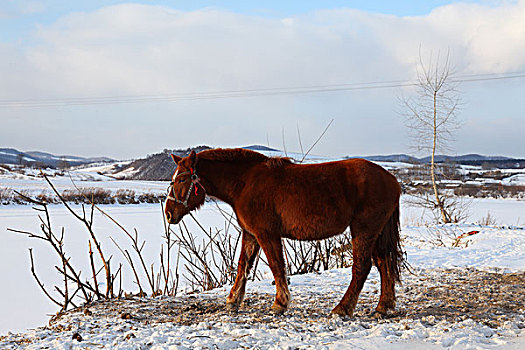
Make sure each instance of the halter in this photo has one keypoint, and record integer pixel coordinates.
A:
(194, 181)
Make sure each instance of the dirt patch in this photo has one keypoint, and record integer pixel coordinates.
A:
(489, 298)
(430, 296)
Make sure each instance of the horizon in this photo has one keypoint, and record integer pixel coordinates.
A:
(124, 79)
(313, 153)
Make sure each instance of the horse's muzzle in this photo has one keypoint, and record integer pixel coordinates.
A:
(172, 220)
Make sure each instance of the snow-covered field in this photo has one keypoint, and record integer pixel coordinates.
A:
(493, 258)
(31, 182)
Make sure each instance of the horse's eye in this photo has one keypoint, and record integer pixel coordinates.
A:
(182, 180)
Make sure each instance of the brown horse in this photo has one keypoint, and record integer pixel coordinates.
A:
(275, 198)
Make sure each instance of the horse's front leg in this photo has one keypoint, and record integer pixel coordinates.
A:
(249, 250)
(273, 249)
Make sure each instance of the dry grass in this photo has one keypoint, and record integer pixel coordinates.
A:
(488, 298)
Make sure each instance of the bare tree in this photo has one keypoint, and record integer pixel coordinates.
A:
(431, 116)
(63, 164)
(20, 158)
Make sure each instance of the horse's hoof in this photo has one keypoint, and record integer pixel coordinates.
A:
(378, 315)
(232, 307)
(383, 311)
(341, 311)
(278, 309)
(380, 312)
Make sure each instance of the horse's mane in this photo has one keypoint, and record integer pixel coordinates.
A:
(243, 155)
(278, 162)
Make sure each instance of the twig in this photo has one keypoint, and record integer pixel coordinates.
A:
(284, 143)
(300, 142)
(88, 225)
(40, 284)
(316, 141)
(97, 292)
(126, 255)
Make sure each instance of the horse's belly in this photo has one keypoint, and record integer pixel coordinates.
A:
(319, 228)
(311, 221)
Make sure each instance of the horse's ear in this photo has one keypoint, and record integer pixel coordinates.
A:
(175, 158)
(193, 159)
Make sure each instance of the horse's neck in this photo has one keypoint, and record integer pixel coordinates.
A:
(222, 180)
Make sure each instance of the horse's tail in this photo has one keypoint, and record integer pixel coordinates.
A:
(388, 247)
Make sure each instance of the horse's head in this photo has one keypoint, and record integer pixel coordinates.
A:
(185, 192)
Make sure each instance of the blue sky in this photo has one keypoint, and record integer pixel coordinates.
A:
(65, 50)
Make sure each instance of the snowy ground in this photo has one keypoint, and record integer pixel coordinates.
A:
(31, 183)
(466, 297)
(434, 311)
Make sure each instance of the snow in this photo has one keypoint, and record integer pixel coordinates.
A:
(395, 165)
(492, 249)
(31, 182)
(101, 168)
(516, 180)
(234, 331)
(24, 310)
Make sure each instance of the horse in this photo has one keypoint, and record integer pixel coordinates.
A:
(274, 198)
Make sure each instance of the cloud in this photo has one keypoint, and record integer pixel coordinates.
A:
(135, 49)
(152, 49)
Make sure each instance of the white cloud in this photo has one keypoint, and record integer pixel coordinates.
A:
(140, 49)
(150, 49)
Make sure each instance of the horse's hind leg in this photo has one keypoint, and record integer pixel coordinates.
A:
(249, 250)
(361, 244)
(388, 258)
(387, 300)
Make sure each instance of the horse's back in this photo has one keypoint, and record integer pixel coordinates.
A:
(358, 174)
(316, 201)
(372, 179)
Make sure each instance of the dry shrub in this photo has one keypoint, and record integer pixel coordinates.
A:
(19, 197)
(82, 196)
(106, 273)
(488, 220)
(210, 262)
(151, 197)
(491, 191)
(46, 198)
(125, 196)
(306, 257)
(86, 195)
(6, 195)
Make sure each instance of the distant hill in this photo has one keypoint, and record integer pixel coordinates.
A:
(13, 156)
(392, 158)
(261, 148)
(467, 159)
(160, 166)
(155, 167)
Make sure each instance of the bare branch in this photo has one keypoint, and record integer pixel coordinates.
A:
(40, 284)
(316, 141)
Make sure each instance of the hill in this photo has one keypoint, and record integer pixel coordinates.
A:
(155, 167)
(43, 159)
(467, 159)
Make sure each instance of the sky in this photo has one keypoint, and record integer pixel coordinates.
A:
(125, 79)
